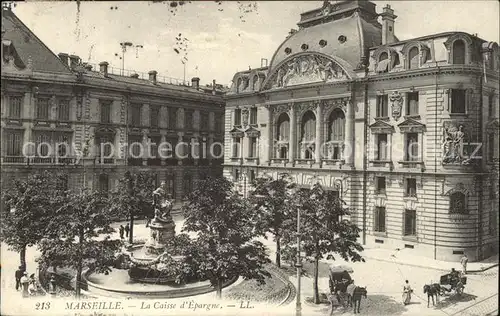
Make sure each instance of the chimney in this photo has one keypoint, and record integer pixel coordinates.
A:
(388, 18)
(87, 66)
(103, 68)
(195, 82)
(152, 76)
(73, 61)
(64, 58)
(213, 87)
(135, 76)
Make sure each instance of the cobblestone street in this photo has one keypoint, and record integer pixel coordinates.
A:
(384, 282)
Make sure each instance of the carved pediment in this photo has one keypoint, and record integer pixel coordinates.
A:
(381, 127)
(105, 130)
(252, 132)
(493, 126)
(411, 126)
(305, 68)
(236, 132)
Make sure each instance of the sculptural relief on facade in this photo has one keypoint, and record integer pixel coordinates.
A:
(329, 105)
(396, 104)
(307, 69)
(453, 144)
(244, 116)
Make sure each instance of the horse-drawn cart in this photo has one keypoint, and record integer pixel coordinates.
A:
(452, 282)
(338, 282)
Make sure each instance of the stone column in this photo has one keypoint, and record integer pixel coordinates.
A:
(291, 139)
(269, 150)
(182, 149)
(349, 134)
(145, 115)
(319, 141)
(160, 154)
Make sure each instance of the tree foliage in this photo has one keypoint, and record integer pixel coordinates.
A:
(224, 247)
(324, 233)
(133, 196)
(80, 222)
(270, 207)
(30, 204)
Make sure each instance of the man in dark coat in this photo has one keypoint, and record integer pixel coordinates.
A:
(127, 230)
(19, 275)
(122, 230)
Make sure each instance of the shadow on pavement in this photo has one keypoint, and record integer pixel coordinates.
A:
(453, 299)
(373, 305)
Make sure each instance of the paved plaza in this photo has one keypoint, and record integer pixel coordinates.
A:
(384, 282)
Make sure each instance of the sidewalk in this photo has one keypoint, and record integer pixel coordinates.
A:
(404, 257)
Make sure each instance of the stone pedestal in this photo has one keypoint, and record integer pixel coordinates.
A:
(161, 230)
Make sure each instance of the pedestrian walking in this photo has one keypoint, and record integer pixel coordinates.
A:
(463, 262)
(25, 284)
(407, 290)
(127, 230)
(122, 230)
(19, 275)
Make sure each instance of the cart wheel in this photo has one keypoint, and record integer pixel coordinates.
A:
(460, 290)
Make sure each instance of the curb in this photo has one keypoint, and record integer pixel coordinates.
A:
(427, 267)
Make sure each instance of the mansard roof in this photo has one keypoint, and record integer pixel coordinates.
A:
(28, 46)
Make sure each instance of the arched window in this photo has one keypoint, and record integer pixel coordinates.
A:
(308, 135)
(283, 127)
(308, 127)
(336, 125)
(103, 183)
(238, 84)
(383, 56)
(413, 58)
(255, 82)
(458, 203)
(458, 52)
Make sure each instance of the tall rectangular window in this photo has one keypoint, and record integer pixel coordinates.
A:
(491, 105)
(458, 101)
(63, 110)
(383, 105)
(188, 119)
(237, 117)
(172, 118)
(382, 147)
(43, 143)
(188, 184)
(204, 118)
(412, 147)
(13, 143)
(236, 147)
(154, 115)
(491, 147)
(103, 183)
(380, 185)
(105, 111)
(411, 187)
(135, 115)
(412, 103)
(380, 219)
(252, 147)
(253, 115)
(410, 223)
(42, 108)
(171, 185)
(63, 142)
(15, 105)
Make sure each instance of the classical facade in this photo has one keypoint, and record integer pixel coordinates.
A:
(57, 111)
(406, 131)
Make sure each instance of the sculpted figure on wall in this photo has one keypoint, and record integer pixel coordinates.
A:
(397, 104)
(453, 145)
(306, 69)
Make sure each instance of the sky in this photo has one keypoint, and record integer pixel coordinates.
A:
(217, 40)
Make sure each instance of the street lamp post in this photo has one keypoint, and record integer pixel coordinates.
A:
(124, 46)
(298, 265)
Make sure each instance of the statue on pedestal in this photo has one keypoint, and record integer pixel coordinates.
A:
(162, 203)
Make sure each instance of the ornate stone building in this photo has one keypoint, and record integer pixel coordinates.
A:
(64, 110)
(406, 131)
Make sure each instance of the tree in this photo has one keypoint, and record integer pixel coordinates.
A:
(323, 231)
(271, 210)
(133, 196)
(79, 222)
(223, 248)
(29, 208)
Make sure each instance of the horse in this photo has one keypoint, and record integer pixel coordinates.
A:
(432, 290)
(354, 295)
